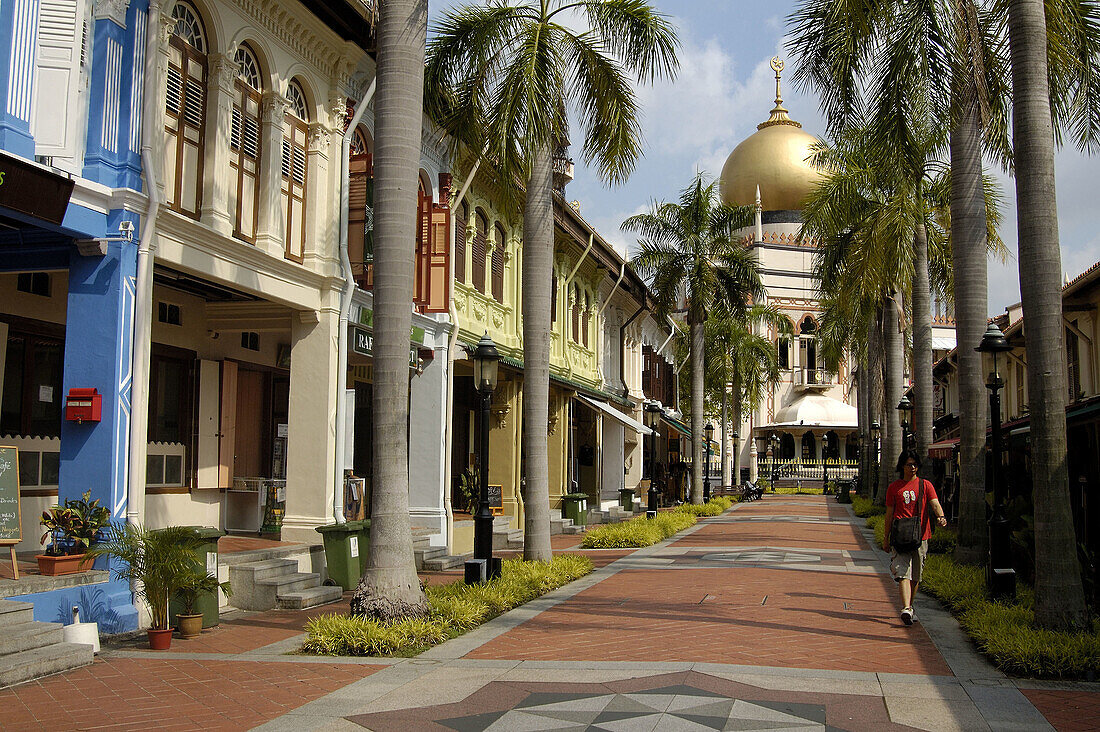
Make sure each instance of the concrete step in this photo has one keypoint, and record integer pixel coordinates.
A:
(25, 636)
(14, 613)
(445, 562)
(420, 556)
(265, 593)
(37, 662)
(255, 584)
(572, 529)
(507, 539)
(312, 597)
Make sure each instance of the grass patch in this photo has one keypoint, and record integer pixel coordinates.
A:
(453, 609)
(713, 507)
(637, 532)
(791, 490)
(1006, 632)
(864, 507)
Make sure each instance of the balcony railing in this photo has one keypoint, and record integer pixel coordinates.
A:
(807, 377)
(798, 469)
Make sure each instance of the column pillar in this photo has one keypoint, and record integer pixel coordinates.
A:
(269, 212)
(98, 354)
(311, 447)
(428, 426)
(320, 243)
(215, 211)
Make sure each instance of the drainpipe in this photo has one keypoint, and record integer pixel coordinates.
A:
(599, 330)
(345, 307)
(672, 333)
(448, 475)
(143, 292)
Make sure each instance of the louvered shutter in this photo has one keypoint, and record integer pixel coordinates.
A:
(244, 142)
(58, 93)
(460, 244)
(439, 265)
(185, 115)
(480, 236)
(498, 266)
(423, 243)
(358, 223)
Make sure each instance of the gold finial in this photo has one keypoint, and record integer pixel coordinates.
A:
(778, 66)
(779, 112)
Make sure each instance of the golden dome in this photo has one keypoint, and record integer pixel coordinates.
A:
(775, 158)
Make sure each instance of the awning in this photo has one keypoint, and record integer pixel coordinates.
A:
(677, 425)
(942, 450)
(617, 415)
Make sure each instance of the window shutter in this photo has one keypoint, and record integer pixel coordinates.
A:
(460, 245)
(58, 95)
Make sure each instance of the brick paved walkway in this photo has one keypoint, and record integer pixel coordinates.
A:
(777, 615)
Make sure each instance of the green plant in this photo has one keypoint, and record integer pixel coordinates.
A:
(942, 541)
(798, 491)
(638, 532)
(197, 584)
(877, 523)
(161, 560)
(73, 526)
(713, 507)
(453, 609)
(467, 485)
(864, 507)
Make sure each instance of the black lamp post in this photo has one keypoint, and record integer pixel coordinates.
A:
(485, 358)
(736, 458)
(708, 432)
(1001, 576)
(825, 465)
(773, 443)
(876, 435)
(905, 407)
(652, 419)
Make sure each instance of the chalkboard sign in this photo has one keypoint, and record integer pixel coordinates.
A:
(496, 498)
(10, 529)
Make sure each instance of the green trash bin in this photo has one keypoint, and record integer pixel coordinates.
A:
(342, 552)
(207, 559)
(364, 547)
(575, 506)
(626, 499)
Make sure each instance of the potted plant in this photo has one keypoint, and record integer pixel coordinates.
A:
(156, 563)
(72, 528)
(194, 586)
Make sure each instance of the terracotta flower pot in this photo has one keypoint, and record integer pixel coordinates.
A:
(160, 640)
(189, 625)
(65, 564)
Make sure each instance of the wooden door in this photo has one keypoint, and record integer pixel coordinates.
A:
(228, 430)
(249, 443)
(207, 474)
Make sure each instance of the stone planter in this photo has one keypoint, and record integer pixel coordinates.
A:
(65, 564)
(189, 625)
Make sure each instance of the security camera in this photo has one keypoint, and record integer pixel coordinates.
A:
(126, 229)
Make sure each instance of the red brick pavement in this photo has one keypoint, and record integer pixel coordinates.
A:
(778, 534)
(1067, 711)
(140, 694)
(810, 620)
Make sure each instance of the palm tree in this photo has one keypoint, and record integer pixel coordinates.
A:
(389, 587)
(509, 72)
(744, 365)
(1059, 598)
(689, 252)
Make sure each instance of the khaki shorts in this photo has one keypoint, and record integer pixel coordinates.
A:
(908, 565)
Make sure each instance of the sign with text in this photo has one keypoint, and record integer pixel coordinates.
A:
(496, 497)
(10, 527)
(32, 190)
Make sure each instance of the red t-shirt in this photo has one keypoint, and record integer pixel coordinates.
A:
(902, 497)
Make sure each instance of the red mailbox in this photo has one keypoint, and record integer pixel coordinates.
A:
(83, 405)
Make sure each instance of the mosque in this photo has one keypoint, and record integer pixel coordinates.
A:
(810, 416)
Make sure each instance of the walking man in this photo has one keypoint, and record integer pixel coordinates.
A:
(908, 502)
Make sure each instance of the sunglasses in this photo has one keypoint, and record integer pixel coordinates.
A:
(910, 465)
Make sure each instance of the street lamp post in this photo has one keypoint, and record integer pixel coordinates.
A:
(736, 458)
(905, 407)
(652, 419)
(485, 358)
(773, 441)
(876, 435)
(708, 432)
(1001, 577)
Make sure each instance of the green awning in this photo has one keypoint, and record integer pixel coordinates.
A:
(677, 425)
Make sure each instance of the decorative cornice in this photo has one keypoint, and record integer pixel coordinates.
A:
(112, 10)
(300, 31)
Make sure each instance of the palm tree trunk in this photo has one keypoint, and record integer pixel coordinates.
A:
(894, 348)
(737, 428)
(390, 588)
(862, 425)
(922, 346)
(725, 439)
(969, 237)
(874, 397)
(1059, 598)
(538, 262)
(697, 346)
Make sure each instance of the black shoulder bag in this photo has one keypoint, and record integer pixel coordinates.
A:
(905, 533)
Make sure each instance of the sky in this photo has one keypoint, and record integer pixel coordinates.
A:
(725, 87)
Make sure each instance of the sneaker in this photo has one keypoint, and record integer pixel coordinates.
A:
(913, 614)
(907, 616)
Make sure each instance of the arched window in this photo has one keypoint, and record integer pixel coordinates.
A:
(585, 316)
(498, 264)
(784, 352)
(576, 313)
(460, 242)
(245, 144)
(295, 135)
(809, 447)
(360, 209)
(481, 235)
(185, 111)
